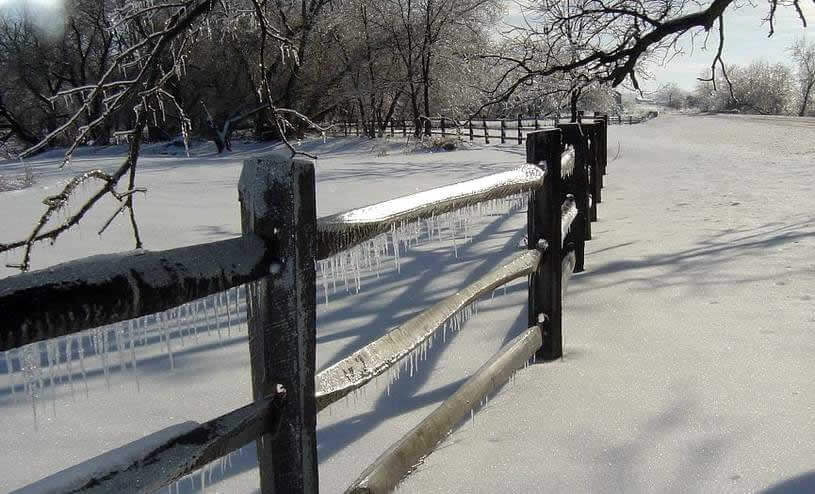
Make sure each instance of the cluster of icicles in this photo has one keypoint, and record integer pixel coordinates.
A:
(455, 227)
(39, 371)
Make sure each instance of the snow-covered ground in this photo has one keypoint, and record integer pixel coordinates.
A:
(688, 338)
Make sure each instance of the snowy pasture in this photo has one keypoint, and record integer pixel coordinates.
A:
(688, 338)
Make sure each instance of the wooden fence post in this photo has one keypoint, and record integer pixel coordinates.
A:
(577, 185)
(537, 124)
(503, 131)
(393, 130)
(520, 124)
(543, 229)
(277, 198)
(631, 120)
(470, 125)
(442, 126)
(595, 171)
(604, 148)
(486, 131)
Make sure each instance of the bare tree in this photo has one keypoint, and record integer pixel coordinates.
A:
(610, 41)
(803, 53)
(156, 38)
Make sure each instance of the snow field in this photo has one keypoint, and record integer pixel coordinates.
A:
(210, 376)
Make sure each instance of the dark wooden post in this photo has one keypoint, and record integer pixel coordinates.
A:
(393, 130)
(537, 124)
(631, 120)
(278, 203)
(520, 134)
(470, 125)
(543, 231)
(486, 131)
(604, 149)
(595, 173)
(580, 115)
(503, 131)
(442, 127)
(404, 128)
(345, 127)
(577, 185)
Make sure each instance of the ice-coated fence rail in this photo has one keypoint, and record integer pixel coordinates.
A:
(282, 246)
(165, 456)
(105, 289)
(402, 457)
(385, 473)
(359, 368)
(342, 231)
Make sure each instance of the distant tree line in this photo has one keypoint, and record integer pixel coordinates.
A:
(760, 87)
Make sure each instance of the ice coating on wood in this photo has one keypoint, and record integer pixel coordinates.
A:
(347, 267)
(568, 212)
(344, 230)
(403, 456)
(567, 266)
(567, 162)
(105, 289)
(375, 358)
(164, 456)
(45, 372)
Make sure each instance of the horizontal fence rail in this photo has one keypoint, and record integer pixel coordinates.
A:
(362, 366)
(99, 290)
(165, 456)
(403, 456)
(384, 474)
(341, 231)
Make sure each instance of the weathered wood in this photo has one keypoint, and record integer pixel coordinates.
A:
(486, 132)
(99, 290)
(342, 231)
(359, 368)
(442, 127)
(159, 459)
(403, 456)
(544, 230)
(503, 131)
(277, 198)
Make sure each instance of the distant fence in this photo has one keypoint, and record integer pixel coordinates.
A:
(277, 255)
(501, 130)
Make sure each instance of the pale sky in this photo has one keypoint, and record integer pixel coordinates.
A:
(745, 40)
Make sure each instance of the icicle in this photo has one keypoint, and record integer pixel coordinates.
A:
(228, 316)
(10, 369)
(215, 317)
(179, 329)
(31, 376)
(81, 350)
(133, 370)
(103, 355)
(69, 364)
(166, 334)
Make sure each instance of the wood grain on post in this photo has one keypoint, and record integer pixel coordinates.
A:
(486, 131)
(470, 125)
(544, 231)
(278, 203)
(503, 131)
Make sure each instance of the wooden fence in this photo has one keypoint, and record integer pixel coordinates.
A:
(489, 130)
(276, 256)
